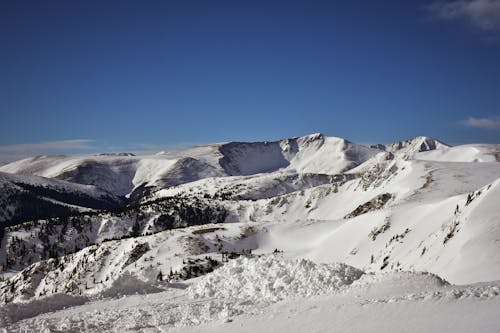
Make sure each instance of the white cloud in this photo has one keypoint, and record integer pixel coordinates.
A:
(9, 153)
(484, 123)
(483, 14)
(48, 146)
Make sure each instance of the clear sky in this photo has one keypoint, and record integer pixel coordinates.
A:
(82, 76)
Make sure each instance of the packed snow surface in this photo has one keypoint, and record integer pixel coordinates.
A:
(272, 278)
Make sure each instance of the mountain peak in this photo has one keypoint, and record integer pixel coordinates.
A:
(415, 145)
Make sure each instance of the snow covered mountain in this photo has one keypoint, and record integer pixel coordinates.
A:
(410, 147)
(386, 212)
(122, 175)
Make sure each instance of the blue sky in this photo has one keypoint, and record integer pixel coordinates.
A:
(85, 76)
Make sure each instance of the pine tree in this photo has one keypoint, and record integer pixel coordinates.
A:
(136, 229)
(469, 199)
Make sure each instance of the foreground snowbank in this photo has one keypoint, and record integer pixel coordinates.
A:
(262, 294)
(272, 278)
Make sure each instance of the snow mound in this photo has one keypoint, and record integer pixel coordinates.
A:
(271, 278)
(13, 312)
(398, 283)
(127, 284)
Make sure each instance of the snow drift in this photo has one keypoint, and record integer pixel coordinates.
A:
(272, 278)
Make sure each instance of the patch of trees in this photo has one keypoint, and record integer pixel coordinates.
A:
(73, 198)
(193, 268)
(377, 231)
(59, 236)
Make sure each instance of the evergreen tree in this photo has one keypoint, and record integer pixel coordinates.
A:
(136, 229)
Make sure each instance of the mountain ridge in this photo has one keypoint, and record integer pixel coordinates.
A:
(122, 173)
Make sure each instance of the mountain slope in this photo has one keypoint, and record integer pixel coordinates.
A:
(464, 153)
(24, 198)
(314, 153)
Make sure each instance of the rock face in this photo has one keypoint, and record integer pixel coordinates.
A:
(376, 203)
